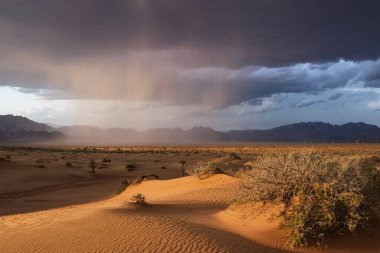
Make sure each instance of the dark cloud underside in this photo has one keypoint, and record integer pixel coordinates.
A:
(260, 32)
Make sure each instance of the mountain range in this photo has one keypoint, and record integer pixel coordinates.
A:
(21, 129)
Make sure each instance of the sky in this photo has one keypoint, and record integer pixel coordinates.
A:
(242, 64)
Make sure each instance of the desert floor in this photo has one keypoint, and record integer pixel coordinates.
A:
(50, 202)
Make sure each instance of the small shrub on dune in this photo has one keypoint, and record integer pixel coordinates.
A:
(321, 194)
(139, 180)
(138, 199)
(202, 169)
(124, 184)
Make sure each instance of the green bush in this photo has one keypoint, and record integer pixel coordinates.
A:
(321, 194)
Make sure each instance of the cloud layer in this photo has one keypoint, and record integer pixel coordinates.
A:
(271, 32)
(200, 57)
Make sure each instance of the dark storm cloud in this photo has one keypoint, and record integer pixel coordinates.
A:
(214, 53)
(239, 32)
(254, 83)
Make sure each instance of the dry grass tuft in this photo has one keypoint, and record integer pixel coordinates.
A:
(202, 169)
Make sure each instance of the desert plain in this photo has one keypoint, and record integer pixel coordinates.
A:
(50, 201)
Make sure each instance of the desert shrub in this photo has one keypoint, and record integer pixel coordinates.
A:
(69, 164)
(202, 169)
(124, 184)
(92, 164)
(106, 160)
(321, 194)
(163, 167)
(130, 167)
(139, 180)
(138, 199)
(235, 156)
(183, 162)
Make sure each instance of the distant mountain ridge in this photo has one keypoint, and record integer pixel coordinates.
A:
(312, 132)
(17, 127)
(11, 123)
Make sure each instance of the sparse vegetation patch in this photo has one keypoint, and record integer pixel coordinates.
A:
(321, 194)
(144, 178)
(235, 156)
(202, 169)
(138, 199)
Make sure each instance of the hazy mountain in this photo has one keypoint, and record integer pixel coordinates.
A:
(311, 132)
(30, 136)
(16, 127)
(12, 123)
(298, 132)
(21, 129)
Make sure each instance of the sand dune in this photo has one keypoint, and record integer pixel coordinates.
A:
(180, 218)
(183, 215)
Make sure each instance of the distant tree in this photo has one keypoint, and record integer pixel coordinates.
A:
(183, 162)
(92, 165)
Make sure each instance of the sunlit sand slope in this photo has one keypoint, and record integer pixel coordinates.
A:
(183, 215)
